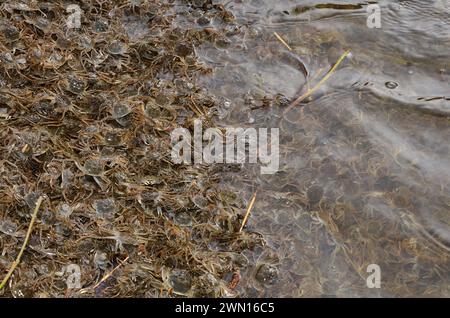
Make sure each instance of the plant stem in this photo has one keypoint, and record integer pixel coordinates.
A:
(323, 80)
(27, 238)
(249, 209)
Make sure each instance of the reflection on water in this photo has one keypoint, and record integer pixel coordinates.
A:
(365, 165)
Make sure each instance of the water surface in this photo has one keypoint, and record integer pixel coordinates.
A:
(365, 168)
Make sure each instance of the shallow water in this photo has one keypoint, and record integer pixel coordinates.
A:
(364, 163)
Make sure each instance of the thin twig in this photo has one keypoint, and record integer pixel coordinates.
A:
(249, 209)
(323, 80)
(308, 86)
(110, 273)
(27, 238)
(282, 41)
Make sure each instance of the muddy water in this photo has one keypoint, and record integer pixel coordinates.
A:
(364, 163)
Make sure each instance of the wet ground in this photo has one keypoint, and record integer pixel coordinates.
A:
(365, 165)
